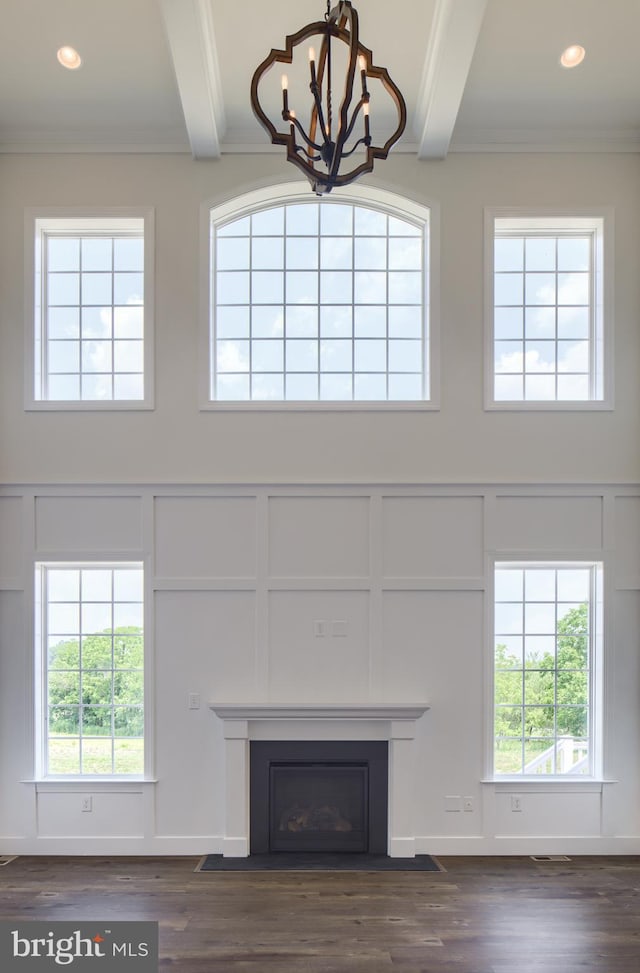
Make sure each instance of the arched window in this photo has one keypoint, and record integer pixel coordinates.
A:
(320, 300)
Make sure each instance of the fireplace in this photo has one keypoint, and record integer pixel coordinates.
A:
(318, 795)
(391, 831)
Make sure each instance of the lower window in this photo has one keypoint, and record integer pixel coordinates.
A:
(546, 658)
(92, 649)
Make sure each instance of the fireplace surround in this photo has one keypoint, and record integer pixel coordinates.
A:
(396, 724)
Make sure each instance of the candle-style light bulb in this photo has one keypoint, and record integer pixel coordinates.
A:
(285, 93)
(312, 64)
(292, 128)
(363, 73)
(365, 109)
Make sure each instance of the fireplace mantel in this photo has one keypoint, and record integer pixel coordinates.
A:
(395, 723)
(356, 711)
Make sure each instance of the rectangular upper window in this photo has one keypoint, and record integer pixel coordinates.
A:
(90, 640)
(92, 285)
(322, 301)
(549, 315)
(547, 660)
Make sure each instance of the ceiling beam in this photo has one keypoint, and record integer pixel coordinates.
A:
(191, 37)
(452, 41)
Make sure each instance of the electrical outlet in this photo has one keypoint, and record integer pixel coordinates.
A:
(467, 804)
(87, 803)
(516, 802)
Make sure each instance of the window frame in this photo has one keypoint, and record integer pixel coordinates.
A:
(217, 212)
(98, 221)
(42, 773)
(558, 221)
(596, 566)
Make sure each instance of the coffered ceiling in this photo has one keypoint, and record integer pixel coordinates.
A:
(174, 75)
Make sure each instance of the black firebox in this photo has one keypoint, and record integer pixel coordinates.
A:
(316, 795)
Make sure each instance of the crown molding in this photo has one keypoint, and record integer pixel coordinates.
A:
(43, 143)
(546, 140)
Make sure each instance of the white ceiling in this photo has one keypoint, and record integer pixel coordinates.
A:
(174, 75)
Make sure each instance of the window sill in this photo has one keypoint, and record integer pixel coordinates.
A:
(561, 784)
(120, 405)
(590, 405)
(315, 406)
(86, 783)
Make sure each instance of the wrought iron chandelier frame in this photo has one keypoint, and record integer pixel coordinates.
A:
(323, 143)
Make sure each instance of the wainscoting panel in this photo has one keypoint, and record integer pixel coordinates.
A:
(12, 541)
(547, 813)
(432, 537)
(205, 537)
(558, 523)
(204, 642)
(319, 646)
(115, 814)
(16, 735)
(88, 523)
(627, 538)
(431, 648)
(318, 537)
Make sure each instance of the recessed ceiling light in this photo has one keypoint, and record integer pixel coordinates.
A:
(572, 56)
(69, 58)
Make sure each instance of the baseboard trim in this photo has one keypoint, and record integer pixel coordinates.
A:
(528, 845)
(199, 845)
(174, 845)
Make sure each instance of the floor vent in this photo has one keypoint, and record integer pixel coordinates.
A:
(5, 859)
(549, 858)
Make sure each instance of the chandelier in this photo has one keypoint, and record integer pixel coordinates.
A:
(337, 129)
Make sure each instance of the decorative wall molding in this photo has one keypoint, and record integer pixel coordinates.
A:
(398, 575)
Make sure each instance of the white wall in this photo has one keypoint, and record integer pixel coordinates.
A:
(253, 526)
(461, 442)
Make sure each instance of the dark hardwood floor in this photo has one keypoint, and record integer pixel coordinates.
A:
(482, 915)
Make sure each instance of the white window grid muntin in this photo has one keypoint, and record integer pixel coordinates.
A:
(43, 602)
(592, 669)
(417, 230)
(559, 221)
(109, 376)
(594, 383)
